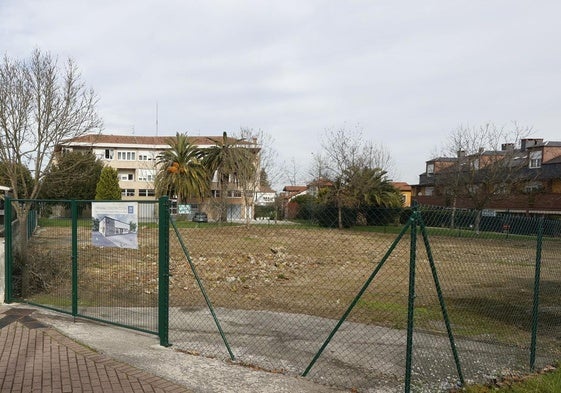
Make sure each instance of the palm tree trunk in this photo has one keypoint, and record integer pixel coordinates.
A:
(223, 198)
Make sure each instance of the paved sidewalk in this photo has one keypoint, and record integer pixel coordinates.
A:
(45, 351)
(36, 358)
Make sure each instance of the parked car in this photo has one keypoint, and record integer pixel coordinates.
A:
(200, 217)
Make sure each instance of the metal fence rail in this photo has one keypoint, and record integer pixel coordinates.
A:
(60, 266)
(280, 290)
(416, 302)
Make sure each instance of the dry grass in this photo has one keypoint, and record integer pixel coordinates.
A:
(487, 283)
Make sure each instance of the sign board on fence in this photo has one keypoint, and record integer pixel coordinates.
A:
(488, 213)
(115, 224)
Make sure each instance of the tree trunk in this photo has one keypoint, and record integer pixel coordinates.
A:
(223, 198)
(339, 215)
(453, 216)
(477, 221)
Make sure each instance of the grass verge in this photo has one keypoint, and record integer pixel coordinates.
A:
(546, 381)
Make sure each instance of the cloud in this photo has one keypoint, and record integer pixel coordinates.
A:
(408, 72)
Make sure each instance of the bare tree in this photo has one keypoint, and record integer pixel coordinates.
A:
(345, 152)
(319, 169)
(291, 172)
(249, 180)
(487, 167)
(41, 104)
(378, 156)
(268, 156)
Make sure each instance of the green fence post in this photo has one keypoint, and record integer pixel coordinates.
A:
(441, 301)
(8, 255)
(203, 291)
(411, 302)
(74, 214)
(536, 305)
(358, 296)
(163, 271)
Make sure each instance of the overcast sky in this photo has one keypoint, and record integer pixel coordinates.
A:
(407, 72)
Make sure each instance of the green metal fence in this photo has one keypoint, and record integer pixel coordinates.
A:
(61, 266)
(403, 299)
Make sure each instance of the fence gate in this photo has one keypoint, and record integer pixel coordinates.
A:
(102, 260)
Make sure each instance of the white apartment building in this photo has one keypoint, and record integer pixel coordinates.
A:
(135, 157)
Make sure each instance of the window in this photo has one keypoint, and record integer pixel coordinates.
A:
(535, 159)
(430, 169)
(533, 187)
(146, 174)
(126, 155)
(146, 192)
(234, 194)
(127, 192)
(146, 156)
(429, 191)
(126, 177)
(108, 154)
(502, 189)
(216, 193)
(233, 178)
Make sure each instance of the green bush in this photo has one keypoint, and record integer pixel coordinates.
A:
(328, 216)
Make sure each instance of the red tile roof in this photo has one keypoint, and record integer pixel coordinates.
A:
(401, 186)
(295, 188)
(140, 140)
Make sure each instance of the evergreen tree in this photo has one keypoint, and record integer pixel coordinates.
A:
(75, 176)
(108, 185)
(25, 181)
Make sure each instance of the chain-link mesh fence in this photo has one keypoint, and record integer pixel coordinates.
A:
(279, 289)
(84, 273)
(271, 294)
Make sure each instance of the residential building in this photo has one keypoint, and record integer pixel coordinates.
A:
(289, 207)
(405, 190)
(313, 188)
(525, 179)
(135, 159)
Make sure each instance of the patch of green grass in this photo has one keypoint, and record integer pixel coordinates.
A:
(396, 313)
(489, 323)
(470, 233)
(541, 383)
(64, 222)
(191, 224)
(51, 300)
(56, 302)
(395, 229)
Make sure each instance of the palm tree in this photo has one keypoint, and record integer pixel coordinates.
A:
(231, 163)
(370, 187)
(363, 188)
(181, 172)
